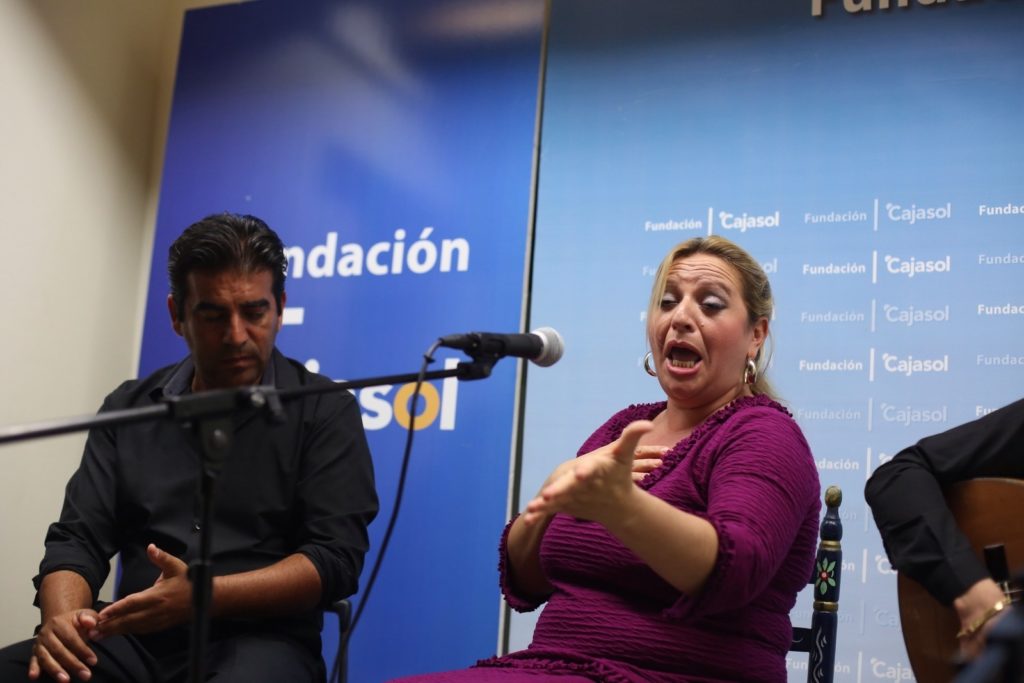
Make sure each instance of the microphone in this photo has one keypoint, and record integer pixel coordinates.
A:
(543, 346)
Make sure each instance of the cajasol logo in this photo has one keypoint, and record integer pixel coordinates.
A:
(746, 221)
(907, 415)
(387, 404)
(896, 671)
(908, 365)
(883, 566)
(914, 213)
(897, 265)
(912, 315)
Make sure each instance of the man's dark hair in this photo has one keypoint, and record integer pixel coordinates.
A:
(225, 241)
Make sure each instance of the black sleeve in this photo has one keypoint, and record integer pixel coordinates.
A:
(906, 497)
(85, 537)
(336, 495)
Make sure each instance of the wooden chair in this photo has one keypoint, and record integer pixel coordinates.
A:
(819, 641)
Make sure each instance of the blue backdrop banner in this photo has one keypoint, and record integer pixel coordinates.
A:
(869, 158)
(391, 146)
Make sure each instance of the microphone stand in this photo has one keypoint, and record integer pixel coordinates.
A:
(210, 416)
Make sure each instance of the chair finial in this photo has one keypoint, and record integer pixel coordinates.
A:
(833, 496)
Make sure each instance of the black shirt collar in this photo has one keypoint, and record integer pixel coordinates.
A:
(180, 381)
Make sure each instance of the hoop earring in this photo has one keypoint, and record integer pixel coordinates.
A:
(750, 372)
(647, 364)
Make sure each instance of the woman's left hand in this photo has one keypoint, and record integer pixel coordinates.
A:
(646, 459)
(597, 486)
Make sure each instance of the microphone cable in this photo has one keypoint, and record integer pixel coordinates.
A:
(428, 358)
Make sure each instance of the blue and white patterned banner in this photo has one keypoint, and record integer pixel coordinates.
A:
(869, 158)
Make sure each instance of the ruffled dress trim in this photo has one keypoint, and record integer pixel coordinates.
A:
(558, 663)
(517, 602)
(680, 450)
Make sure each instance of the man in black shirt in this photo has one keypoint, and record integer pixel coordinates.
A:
(920, 534)
(292, 506)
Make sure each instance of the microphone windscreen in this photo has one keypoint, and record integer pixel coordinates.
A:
(552, 346)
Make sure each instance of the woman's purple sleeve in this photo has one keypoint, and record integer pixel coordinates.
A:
(520, 602)
(762, 484)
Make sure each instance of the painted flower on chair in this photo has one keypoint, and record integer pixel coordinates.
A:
(826, 575)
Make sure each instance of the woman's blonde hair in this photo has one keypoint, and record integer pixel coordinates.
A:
(757, 291)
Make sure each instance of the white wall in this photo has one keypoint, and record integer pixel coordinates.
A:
(85, 89)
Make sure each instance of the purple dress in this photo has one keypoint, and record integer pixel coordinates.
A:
(747, 470)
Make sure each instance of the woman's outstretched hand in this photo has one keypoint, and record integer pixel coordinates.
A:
(597, 485)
